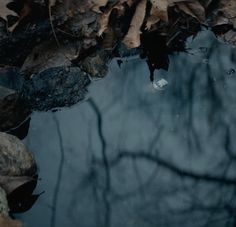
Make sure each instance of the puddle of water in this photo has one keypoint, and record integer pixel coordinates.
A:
(135, 157)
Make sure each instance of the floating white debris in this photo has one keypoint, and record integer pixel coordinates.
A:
(230, 72)
(205, 61)
(160, 84)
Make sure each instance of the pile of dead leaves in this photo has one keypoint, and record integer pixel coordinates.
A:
(107, 24)
(147, 15)
(140, 14)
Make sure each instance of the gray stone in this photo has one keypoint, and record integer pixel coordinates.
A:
(15, 159)
(55, 87)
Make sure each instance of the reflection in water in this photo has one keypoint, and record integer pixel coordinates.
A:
(134, 156)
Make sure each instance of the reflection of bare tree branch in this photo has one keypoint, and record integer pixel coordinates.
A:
(192, 134)
(59, 175)
(227, 144)
(174, 169)
(105, 163)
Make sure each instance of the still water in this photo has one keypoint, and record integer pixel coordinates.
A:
(133, 156)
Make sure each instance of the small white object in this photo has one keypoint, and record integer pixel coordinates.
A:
(160, 84)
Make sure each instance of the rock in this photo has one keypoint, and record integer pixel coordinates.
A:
(55, 87)
(12, 109)
(11, 78)
(96, 65)
(4, 209)
(15, 48)
(15, 159)
(49, 55)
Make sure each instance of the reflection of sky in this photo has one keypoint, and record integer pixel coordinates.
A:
(177, 166)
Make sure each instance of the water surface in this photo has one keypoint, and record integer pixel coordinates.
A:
(133, 156)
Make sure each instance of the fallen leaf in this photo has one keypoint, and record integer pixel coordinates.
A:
(229, 10)
(104, 18)
(4, 10)
(132, 38)
(153, 18)
(161, 8)
(103, 22)
(194, 9)
(18, 186)
(97, 4)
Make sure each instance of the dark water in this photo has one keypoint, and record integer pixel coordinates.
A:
(133, 156)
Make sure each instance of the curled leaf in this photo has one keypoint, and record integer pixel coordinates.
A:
(4, 10)
(18, 186)
(194, 9)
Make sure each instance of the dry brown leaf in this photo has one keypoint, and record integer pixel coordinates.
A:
(103, 22)
(132, 38)
(219, 20)
(161, 8)
(194, 9)
(225, 14)
(128, 2)
(153, 18)
(104, 18)
(96, 4)
(4, 11)
(6, 221)
(228, 7)
(230, 37)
